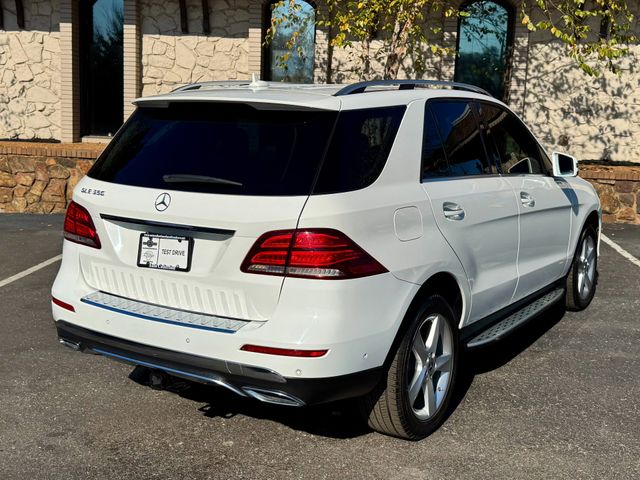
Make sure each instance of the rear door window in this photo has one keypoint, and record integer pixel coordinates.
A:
(434, 161)
(460, 133)
(218, 148)
(515, 149)
(359, 148)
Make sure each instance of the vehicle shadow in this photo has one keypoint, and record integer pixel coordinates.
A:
(334, 420)
(342, 419)
(486, 359)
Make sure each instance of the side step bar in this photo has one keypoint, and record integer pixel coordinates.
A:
(515, 320)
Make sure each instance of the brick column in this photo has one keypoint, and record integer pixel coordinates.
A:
(449, 40)
(519, 67)
(132, 56)
(69, 71)
(321, 51)
(255, 38)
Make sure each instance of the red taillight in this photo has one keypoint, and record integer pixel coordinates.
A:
(62, 304)
(79, 227)
(312, 253)
(286, 352)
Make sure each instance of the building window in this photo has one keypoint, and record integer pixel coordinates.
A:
(101, 67)
(485, 37)
(282, 63)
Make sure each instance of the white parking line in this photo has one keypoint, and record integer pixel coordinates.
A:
(29, 271)
(620, 250)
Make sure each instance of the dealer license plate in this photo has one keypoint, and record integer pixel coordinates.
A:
(165, 252)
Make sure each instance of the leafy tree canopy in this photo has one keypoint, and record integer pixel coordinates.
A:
(597, 33)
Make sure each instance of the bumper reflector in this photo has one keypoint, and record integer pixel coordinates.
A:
(62, 304)
(286, 352)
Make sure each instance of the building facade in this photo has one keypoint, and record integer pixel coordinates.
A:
(70, 69)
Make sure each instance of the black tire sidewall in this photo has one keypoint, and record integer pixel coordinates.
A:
(578, 302)
(421, 428)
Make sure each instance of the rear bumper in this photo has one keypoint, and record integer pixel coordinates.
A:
(245, 380)
(356, 320)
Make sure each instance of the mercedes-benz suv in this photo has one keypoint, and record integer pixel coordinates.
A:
(301, 244)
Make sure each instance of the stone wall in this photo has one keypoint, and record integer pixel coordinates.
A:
(590, 118)
(618, 189)
(347, 63)
(40, 178)
(171, 58)
(30, 72)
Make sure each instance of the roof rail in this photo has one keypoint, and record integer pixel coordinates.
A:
(407, 85)
(255, 82)
(221, 83)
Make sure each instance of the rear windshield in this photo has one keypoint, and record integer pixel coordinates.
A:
(240, 150)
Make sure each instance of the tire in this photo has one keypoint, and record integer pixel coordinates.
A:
(583, 275)
(408, 403)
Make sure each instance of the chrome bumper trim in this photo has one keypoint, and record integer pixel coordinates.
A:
(158, 313)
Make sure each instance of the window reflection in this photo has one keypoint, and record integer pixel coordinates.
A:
(298, 66)
(434, 162)
(483, 46)
(507, 138)
(458, 128)
(102, 66)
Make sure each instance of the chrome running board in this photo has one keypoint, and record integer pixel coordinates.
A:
(515, 320)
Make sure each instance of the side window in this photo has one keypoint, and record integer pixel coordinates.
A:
(359, 148)
(509, 140)
(460, 135)
(434, 161)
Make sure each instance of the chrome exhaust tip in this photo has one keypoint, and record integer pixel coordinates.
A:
(71, 344)
(273, 397)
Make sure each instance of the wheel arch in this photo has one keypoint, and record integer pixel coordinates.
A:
(595, 220)
(444, 284)
(575, 301)
(592, 219)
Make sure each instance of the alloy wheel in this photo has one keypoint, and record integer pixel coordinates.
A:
(429, 370)
(586, 267)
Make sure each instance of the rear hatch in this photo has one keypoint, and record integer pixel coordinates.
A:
(184, 190)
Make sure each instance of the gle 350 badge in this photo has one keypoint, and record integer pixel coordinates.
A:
(92, 191)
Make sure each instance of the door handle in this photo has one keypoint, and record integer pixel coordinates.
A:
(452, 211)
(527, 200)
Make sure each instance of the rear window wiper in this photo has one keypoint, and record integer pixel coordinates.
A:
(186, 178)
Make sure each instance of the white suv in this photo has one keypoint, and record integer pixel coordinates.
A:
(301, 244)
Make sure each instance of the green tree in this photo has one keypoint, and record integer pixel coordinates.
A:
(597, 33)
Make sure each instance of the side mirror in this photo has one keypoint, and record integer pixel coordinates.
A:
(564, 165)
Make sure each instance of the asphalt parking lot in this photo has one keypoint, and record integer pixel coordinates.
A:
(559, 399)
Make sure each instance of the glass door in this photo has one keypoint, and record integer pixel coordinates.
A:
(101, 67)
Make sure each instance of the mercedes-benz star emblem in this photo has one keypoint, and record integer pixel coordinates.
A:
(163, 201)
